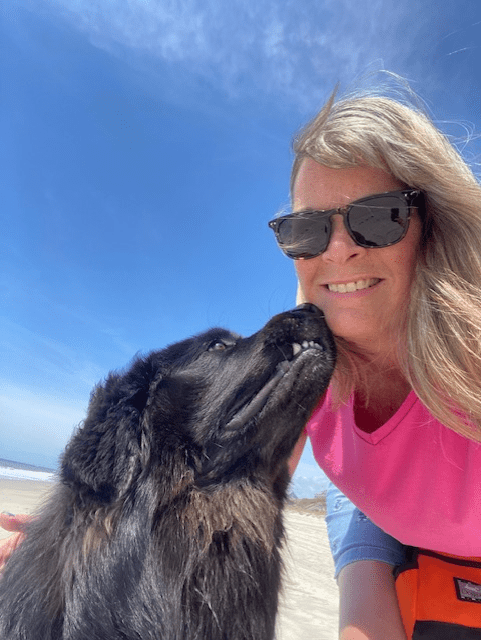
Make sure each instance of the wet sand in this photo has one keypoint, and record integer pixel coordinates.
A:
(309, 609)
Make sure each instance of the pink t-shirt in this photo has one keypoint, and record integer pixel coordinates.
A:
(417, 480)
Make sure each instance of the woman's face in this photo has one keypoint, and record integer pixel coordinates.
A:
(368, 315)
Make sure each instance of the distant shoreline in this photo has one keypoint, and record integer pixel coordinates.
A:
(312, 506)
(27, 486)
(23, 471)
(14, 464)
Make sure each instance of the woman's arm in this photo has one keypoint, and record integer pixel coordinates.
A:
(368, 608)
(364, 557)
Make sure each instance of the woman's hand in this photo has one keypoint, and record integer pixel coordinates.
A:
(10, 522)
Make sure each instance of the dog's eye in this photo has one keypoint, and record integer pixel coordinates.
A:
(217, 345)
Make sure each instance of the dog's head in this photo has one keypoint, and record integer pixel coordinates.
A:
(212, 408)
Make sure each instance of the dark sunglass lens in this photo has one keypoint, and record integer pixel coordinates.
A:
(303, 237)
(378, 223)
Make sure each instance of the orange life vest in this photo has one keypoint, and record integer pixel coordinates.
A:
(440, 596)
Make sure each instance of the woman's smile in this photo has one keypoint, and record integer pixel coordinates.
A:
(353, 286)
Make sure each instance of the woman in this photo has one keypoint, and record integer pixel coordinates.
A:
(386, 237)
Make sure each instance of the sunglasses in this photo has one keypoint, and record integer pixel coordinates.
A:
(376, 221)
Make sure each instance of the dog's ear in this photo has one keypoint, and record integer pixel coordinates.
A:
(110, 448)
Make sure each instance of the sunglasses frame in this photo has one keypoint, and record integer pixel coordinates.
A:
(410, 197)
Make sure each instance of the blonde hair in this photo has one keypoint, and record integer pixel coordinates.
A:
(442, 347)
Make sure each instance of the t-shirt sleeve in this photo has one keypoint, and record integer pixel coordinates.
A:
(353, 537)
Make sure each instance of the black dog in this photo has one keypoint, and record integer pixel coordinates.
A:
(166, 523)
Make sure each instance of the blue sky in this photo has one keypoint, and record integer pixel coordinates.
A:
(145, 145)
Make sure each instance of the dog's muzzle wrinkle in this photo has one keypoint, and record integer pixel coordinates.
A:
(259, 401)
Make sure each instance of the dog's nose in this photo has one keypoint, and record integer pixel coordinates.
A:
(307, 306)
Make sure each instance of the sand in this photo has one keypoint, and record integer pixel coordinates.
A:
(309, 609)
(21, 496)
(309, 605)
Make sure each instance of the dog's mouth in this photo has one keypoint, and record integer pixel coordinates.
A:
(291, 364)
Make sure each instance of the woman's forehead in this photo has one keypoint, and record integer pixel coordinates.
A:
(321, 187)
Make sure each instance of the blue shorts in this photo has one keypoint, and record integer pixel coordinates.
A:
(354, 537)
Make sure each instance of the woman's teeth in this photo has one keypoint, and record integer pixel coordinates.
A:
(349, 287)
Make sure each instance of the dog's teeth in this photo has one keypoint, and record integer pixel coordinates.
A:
(296, 347)
(306, 344)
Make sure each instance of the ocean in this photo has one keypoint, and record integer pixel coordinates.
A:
(21, 471)
(300, 487)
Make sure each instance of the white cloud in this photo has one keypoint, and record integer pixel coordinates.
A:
(292, 50)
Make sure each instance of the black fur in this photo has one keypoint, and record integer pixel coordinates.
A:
(166, 523)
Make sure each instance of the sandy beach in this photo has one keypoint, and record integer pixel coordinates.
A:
(309, 601)
(309, 605)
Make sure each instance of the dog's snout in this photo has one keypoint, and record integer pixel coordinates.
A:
(307, 306)
(303, 314)
(303, 323)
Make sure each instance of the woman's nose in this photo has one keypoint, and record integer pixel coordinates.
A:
(341, 246)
